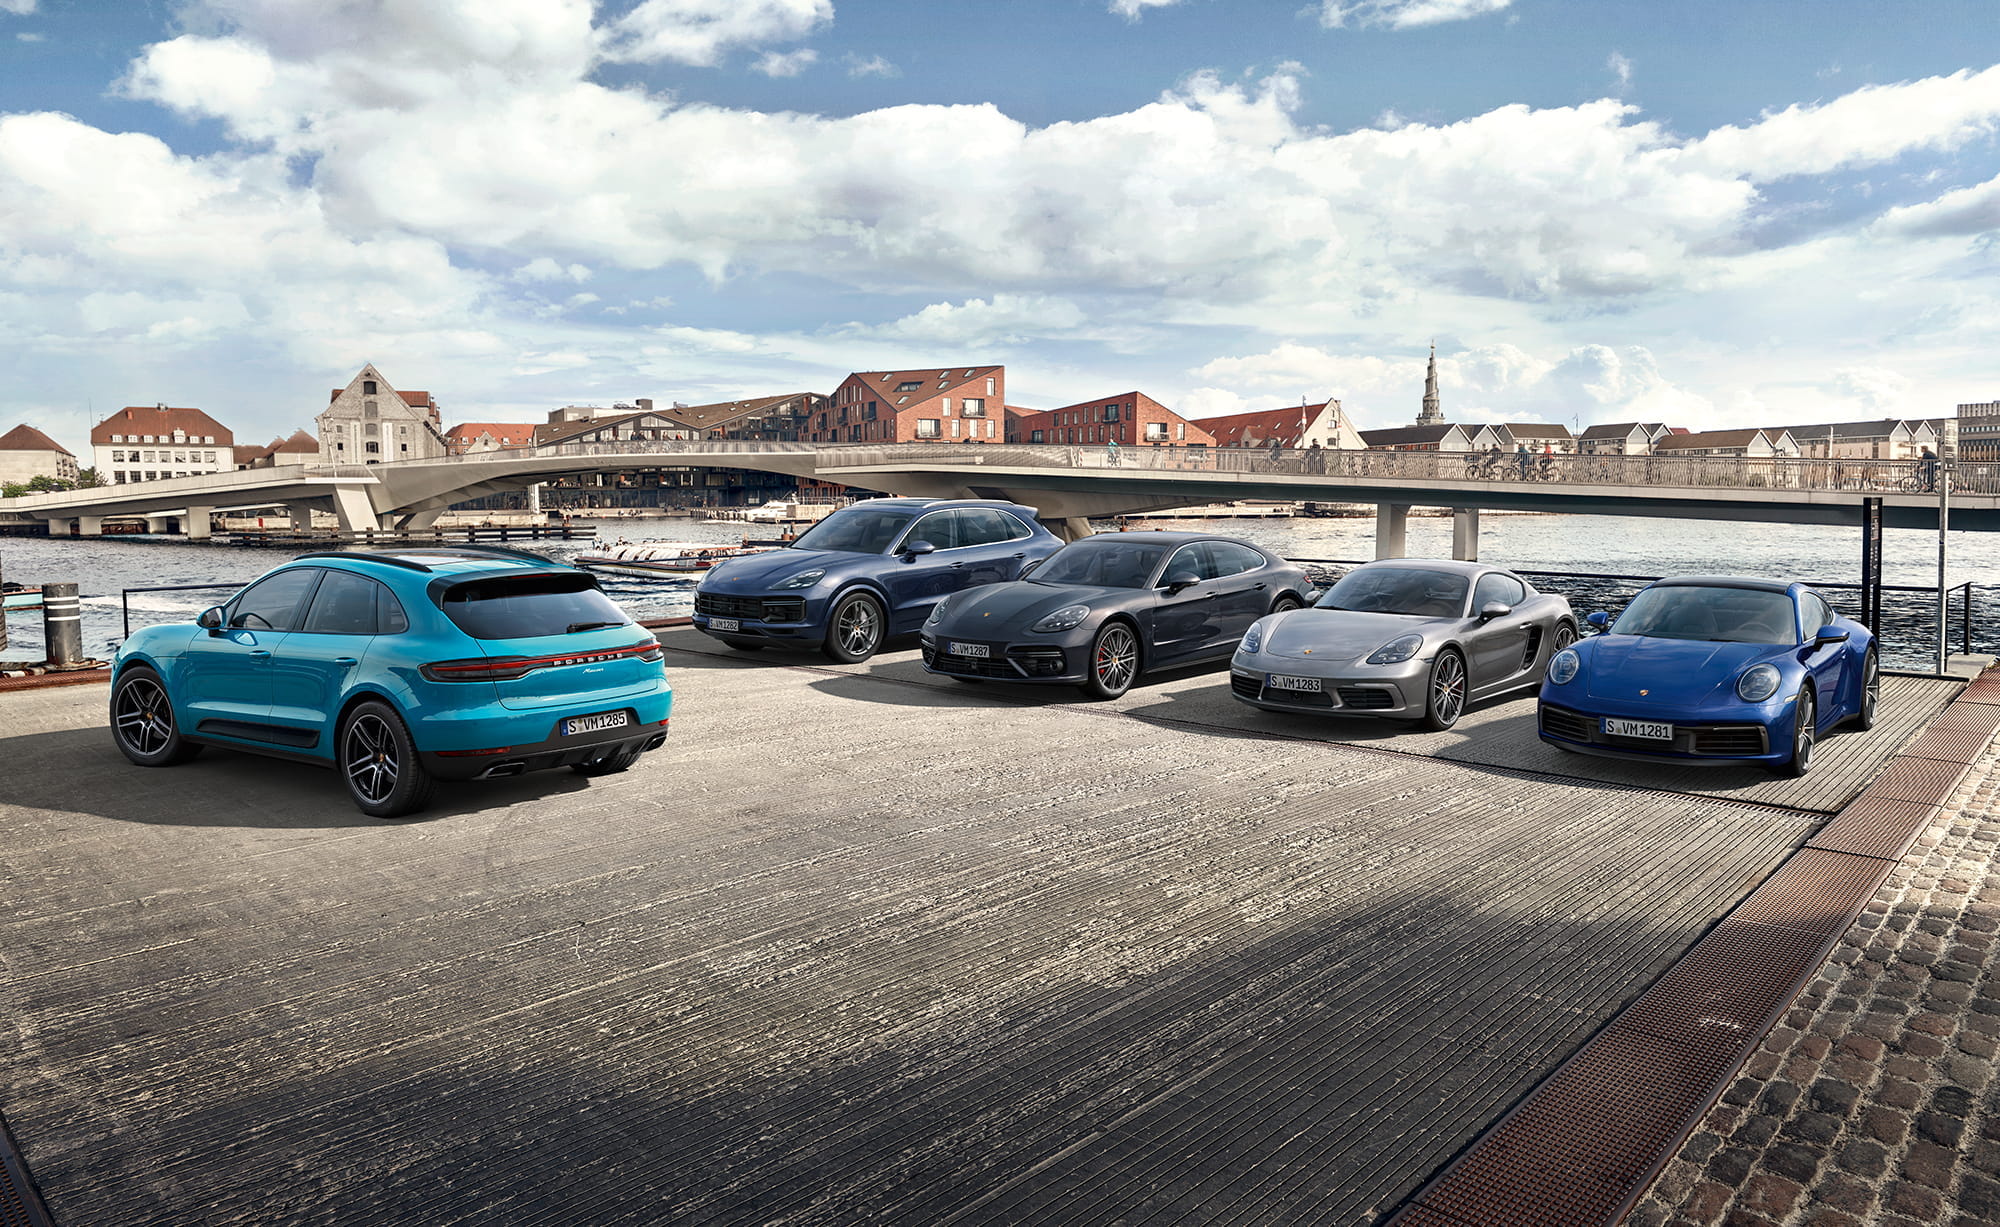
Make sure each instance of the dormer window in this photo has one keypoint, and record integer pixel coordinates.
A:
(909, 385)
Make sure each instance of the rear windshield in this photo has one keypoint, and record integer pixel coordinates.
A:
(528, 606)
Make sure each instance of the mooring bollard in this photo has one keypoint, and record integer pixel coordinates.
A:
(3, 616)
(62, 624)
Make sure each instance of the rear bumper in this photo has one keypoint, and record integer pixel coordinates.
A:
(553, 751)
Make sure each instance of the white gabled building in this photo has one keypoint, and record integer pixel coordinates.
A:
(368, 422)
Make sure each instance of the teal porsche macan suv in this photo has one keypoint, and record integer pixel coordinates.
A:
(401, 669)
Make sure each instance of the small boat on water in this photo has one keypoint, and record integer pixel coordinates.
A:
(660, 559)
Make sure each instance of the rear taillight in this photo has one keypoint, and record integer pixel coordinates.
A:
(508, 668)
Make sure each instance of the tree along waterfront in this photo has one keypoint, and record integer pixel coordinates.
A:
(1570, 547)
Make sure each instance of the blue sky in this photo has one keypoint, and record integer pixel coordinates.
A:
(1715, 214)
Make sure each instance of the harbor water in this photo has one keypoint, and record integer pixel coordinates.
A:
(1571, 547)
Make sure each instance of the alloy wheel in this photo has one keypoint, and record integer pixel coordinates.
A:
(1802, 737)
(1448, 689)
(1871, 690)
(1116, 659)
(368, 755)
(858, 627)
(145, 719)
(1565, 635)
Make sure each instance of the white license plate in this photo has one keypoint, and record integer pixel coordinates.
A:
(724, 624)
(1651, 730)
(1281, 682)
(979, 650)
(593, 724)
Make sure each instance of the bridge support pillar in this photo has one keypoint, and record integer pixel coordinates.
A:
(197, 522)
(1465, 534)
(1074, 528)
(355, 513)
(535, 498)
(159, 524)
(417, 521)
(90, 526)
(1392, 530)
(302, 516)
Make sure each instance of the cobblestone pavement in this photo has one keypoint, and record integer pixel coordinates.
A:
(1874, 1100)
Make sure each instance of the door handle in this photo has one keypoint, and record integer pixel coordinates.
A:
(346, 662)
(260, 654)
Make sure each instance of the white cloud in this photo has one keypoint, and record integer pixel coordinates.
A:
(1131, 9)
(699, 32)
(786, 63)
(541, 268)
(873, 66)
(1972, 210)
(1877, 391)
(25, 37)
(19, 8)
(1005, 318)
(1621, 70)
(1404, 14)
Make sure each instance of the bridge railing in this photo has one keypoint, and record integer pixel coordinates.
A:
(1686, 472)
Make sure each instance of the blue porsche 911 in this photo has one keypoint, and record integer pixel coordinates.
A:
(1713, 669)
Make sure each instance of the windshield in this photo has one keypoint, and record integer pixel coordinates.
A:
(1398, 590)
(1102, 562)
(1716, 615)
(855, 530)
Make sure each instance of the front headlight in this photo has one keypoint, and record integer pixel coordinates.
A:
(1563, 667)
(1759, 682)
(1062, 619)
(937, 613)
(1396, 651)
(1253, 638)
(805, 579)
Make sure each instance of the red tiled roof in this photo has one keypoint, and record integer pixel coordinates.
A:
(25, 438)
(160, 420)
(709, 417)
(508, 434)
(927, 379)
(1257, 429)
(297, 441)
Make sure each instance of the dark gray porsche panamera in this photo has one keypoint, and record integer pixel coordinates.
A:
(1104, 609)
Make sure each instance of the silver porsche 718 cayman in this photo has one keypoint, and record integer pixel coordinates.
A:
(1408, 638)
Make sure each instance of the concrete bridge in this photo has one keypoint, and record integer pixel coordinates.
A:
(1071, 484)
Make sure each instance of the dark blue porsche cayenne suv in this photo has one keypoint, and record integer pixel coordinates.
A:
(866, 572)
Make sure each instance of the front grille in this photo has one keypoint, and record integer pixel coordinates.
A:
(755, 608)
(969, 666)
(1038, 662)
(1567, 724)
(1730, 739)
(1245, 684)
(1366, 698)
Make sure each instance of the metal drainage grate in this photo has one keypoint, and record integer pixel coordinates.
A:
(1816, 891)
(1725, 993)
(1874, 826)
(20, 1205)
(1953, 743)
(1925, 781)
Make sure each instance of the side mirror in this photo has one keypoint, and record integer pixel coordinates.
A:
(916, 549)
(210, 619)
(1829, 634)
(1494, 609)
(1600, 620)
(1181, 579)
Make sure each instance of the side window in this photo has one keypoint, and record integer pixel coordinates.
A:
(1192, 558)
(940, 528)
(1233, 559)
(985, 526)
(344, 605)
(1818, 613)
(272, 603)
(389, 616)
(1496, 587)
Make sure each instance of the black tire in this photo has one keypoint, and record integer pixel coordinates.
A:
(1871, 691)
(1565, 635)
(1114, 661)
(142, 721)
(610, 764)
(1444, 692)
(855, 630)
(1285, 603)
(379, 764)
(1805, 736)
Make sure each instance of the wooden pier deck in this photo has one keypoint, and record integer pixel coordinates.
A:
(858, 945)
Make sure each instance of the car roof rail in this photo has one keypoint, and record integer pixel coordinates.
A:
(405, 563)
(477, 548)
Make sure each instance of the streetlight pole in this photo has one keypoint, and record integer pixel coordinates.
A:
(1944, 524)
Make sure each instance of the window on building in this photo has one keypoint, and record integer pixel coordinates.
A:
(868, 412)
(1035, 436)
(1180, 430)
(1156, 432)
(1110, 413)
(119, 477)
(371, 447)
(989, 385)
(989, 428)
(340, 447)
(973, 407)
(927, 428)
(909, 385)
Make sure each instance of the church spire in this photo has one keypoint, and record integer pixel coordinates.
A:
(1432, 414)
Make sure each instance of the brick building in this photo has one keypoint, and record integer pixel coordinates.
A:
(931, 405)
(368, 422)
(469, 437)
(296, 448)
(155, 442)
(1132, 419)
(781, 419)
(27, 453)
